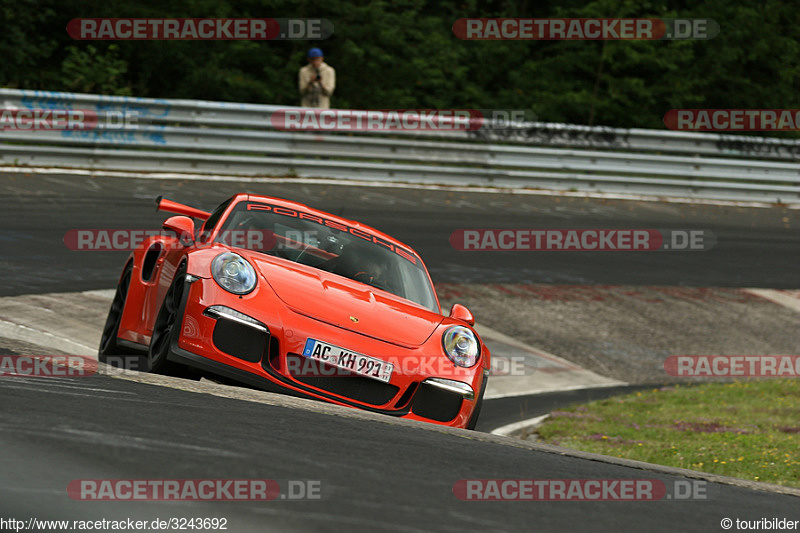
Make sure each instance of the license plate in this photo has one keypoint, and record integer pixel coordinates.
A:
(357, 363)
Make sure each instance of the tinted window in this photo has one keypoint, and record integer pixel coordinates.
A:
(331, 246)
(211, 222)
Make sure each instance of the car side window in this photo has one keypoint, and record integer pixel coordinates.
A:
(212, 221)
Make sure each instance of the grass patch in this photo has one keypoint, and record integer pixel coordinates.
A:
(747, 429)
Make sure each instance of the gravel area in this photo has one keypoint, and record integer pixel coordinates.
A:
(627, 332)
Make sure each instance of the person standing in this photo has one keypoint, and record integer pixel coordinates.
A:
(316, 81)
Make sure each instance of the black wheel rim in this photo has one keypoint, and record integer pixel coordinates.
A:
(165, 323)
(115, 313)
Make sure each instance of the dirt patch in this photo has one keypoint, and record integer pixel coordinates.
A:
(627, 332)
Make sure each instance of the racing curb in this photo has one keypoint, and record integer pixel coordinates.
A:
(279, 400)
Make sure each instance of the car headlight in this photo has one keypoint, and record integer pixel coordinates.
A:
(233, 273)
(461, 346)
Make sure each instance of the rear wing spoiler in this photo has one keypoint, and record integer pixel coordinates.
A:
(162, 204)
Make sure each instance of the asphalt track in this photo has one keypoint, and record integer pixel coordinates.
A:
(755, 248)
(385, 475)
(382, 474)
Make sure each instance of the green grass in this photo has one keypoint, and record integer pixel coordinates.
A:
(748, 429)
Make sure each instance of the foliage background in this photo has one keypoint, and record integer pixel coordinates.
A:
(403, 54)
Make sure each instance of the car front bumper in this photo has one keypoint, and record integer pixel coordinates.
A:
(256, 340)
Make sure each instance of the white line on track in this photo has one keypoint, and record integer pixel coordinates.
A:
(784, 298)
(510, 429)
(44, 381)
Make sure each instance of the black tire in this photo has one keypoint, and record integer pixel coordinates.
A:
(110, 352)
(164, 330)
(473, 420)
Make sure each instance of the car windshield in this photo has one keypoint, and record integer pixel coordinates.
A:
(328, 245)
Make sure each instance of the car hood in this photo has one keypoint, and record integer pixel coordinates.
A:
(347, 304)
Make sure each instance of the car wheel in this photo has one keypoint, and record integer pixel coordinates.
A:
(165, 328)
(110, 352)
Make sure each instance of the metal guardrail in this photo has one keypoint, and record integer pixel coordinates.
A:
(232, 138)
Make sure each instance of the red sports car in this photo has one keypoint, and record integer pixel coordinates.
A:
(282, 297)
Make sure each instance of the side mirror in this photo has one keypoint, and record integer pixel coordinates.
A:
(183, 227)
(459, 312)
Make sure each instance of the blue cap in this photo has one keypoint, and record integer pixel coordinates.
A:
(315, 52)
